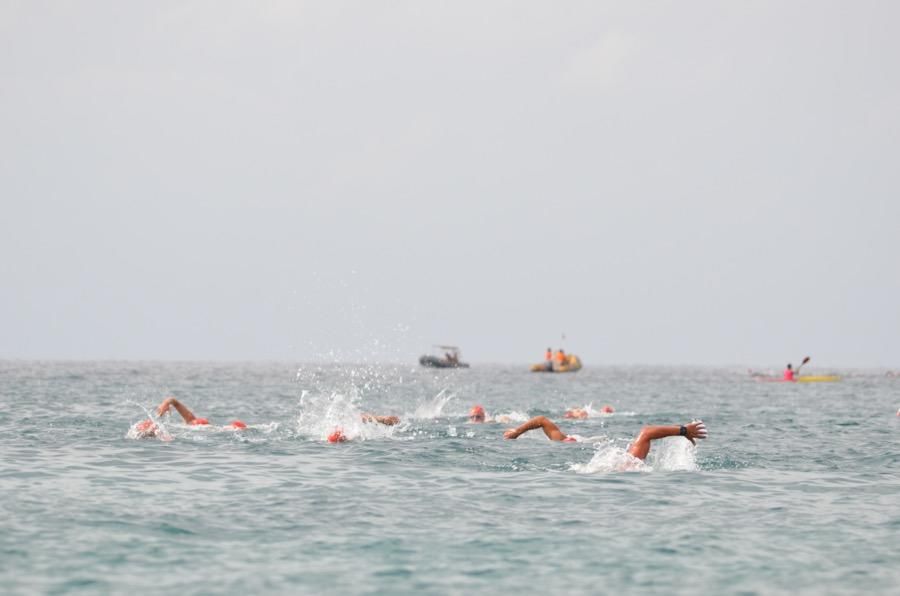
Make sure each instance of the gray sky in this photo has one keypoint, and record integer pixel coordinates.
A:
(664, 182)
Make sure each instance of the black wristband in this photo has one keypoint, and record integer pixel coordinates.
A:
(682, 431)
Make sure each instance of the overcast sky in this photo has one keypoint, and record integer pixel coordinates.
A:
(663, 182)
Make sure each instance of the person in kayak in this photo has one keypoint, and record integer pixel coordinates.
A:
(639, 448)
(548, 359)
(788, 373)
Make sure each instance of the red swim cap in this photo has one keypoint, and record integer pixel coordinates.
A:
(337, 436)
(145, 426)
(199, 421)
(238, 424)
(607, 409)
(476, 411)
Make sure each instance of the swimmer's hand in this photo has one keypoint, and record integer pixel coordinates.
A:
(695, 430)
(510, 433)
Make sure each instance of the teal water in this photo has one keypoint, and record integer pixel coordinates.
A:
(796, 490)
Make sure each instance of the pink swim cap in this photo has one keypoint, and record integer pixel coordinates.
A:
(199, 421)
(145, 426)
(238, 424)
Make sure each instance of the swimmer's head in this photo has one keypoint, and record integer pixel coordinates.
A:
(607, 410)
(237, 425)
(146, 428)
(337, 436)
(578, 413)
(476, 414)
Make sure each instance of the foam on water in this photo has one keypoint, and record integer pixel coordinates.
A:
(511, 417)
(669, 454)
(433, 408)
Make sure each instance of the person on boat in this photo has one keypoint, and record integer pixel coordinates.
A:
(639, 448)
(560, 359)
(548, 359)
(788, 373)
(148, 428)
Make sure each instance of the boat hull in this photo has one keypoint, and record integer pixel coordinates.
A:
(804, 379)
(435, 362)
(572, 364)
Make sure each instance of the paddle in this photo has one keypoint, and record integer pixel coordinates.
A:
(805, 360)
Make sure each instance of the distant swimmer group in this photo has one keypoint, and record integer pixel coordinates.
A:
(148, 428)
(639, 448)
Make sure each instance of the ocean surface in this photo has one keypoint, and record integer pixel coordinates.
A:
(797, 489)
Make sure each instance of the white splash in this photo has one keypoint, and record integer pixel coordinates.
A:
(320, 416)
(134, 432)
(670, 454)
(511, 417)
(434, 408)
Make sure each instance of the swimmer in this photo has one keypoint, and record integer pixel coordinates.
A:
(386, 420)
(338, 435)
(582, 413)
(477, 415)
(639, 448)
(148, 428)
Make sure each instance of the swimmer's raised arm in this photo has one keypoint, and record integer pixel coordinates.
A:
(641, 445)
(550, 429)
(171, 402)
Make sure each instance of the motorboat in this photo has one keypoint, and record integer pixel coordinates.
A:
(444, 357)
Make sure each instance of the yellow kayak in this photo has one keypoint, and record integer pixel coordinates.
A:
(818, 379)
(571, 364)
